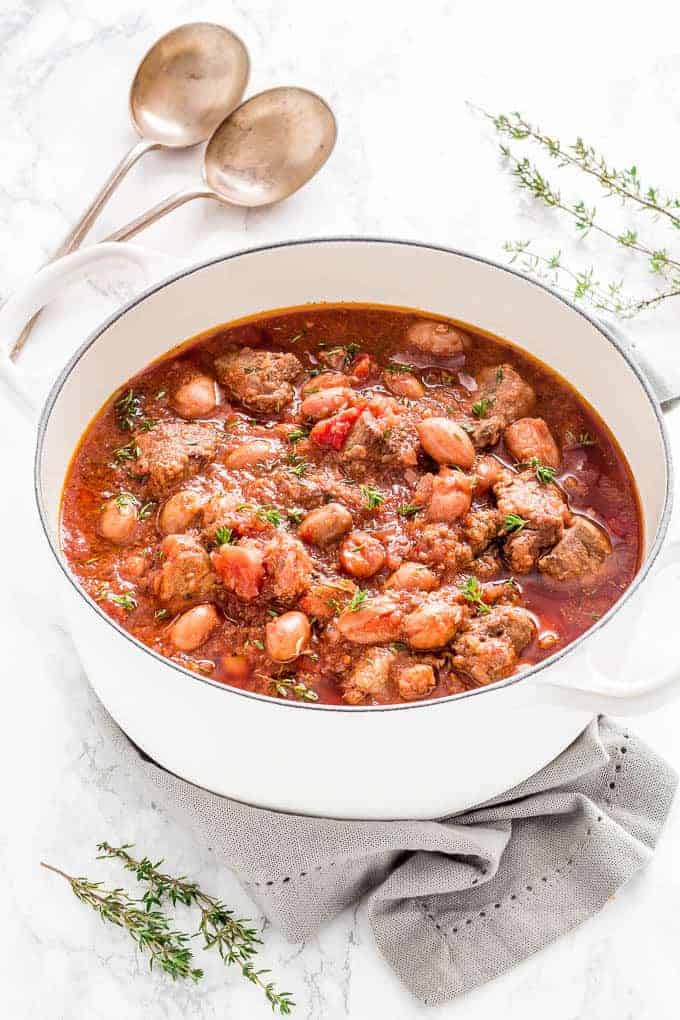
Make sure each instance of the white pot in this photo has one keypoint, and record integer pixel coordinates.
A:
(413, 760)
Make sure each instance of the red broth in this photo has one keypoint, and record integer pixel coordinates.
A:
(352, 649)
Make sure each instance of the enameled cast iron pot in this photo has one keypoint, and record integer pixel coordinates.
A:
(415, 760)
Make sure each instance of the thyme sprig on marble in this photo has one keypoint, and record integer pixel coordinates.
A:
(150, 928)
(623, 183)
(149, 925)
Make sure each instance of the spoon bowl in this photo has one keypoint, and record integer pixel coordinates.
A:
(187, 82)
(269, 147)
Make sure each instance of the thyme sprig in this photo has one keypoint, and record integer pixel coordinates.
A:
(623, 183)
(234, 939)
(146, 924)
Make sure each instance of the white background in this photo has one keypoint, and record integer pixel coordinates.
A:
(412, 161)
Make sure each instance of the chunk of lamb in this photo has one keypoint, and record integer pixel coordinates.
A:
(481, 527)
(259, 379)
(186, 574)
(173, 451)
(415, 681)
(580, 552)
(509, 398)
(370, 676)
(544, 510)
(530, 437)
(387, 438)
(289, 567)
(438, 338)
(488, 648)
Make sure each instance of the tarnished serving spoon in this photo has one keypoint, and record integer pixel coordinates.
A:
(184, 87)
(264, 151)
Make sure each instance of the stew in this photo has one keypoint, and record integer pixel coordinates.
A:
(352, 505)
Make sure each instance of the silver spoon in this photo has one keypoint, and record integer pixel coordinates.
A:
(184, 87)
(263, 152)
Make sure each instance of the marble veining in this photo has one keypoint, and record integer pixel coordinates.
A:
(412, 161)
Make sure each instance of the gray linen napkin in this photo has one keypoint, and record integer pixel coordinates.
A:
(456, 901)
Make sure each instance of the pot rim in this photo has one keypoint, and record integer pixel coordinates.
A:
(95, 335)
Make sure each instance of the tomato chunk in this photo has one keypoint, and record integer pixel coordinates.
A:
(333, 431)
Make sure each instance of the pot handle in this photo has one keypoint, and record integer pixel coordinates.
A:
(632, 666)
(47, 283)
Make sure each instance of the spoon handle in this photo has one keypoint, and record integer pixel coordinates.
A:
(161, 209)
(77, 234)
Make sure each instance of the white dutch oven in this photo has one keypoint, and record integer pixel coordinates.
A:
(414, 760)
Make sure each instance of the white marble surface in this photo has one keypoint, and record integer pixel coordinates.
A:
(411, 161)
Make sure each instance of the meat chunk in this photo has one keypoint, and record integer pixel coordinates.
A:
(259, 379)
(531, 437)
(172, 451)
(488, 648)
(580, 552)
(370, 676)
(289, 567)
(433, 624)
(439, 338)
(186, 574)
(481, 527)
(377, 621)
(506, 396)
(365, 440)
(439, 545)
(541, 507)
(416, 681)
(240, 568)
(327, 597)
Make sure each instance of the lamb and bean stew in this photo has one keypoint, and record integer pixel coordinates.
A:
(351, 504)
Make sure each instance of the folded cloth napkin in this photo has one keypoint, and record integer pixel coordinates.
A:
(456, 901)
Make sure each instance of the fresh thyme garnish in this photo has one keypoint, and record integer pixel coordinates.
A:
(351, 351)
(161, 614)
(472, 592)
(148, 926)
(585, 439)
(128, 452)
(234, 938)
(298, 336)
(480, 408)
(408, 509)
(147, 509)
(126, 601)
(298, 433)
(270, 514)
(128, 409)
(224, 536)
(125, 499)
(283, 686)
(513, 523)
(398, 367)
(161, 394)
(499, 374)
(543, 473)
(295, 515)
(357, 601)
(372, 496)
(298, 464)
